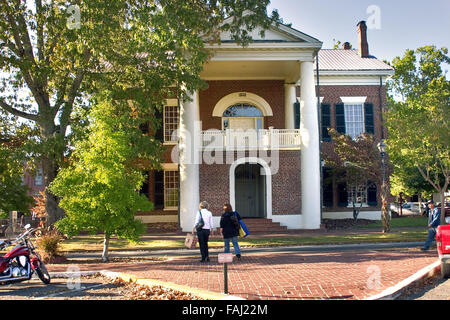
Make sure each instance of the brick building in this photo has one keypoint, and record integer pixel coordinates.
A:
(252, 137)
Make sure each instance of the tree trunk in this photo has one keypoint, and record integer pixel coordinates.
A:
(105, 257)
(384, 210)
(52, 208)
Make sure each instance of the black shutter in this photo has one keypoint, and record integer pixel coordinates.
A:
(372, 194)
(327, 187)
(297, 115)
(342, 195)
(368, 118)
(326, 122)
(158, 185)
(340, 118)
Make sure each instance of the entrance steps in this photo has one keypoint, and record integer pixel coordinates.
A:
(263, 226)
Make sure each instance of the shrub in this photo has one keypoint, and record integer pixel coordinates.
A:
(48, 245)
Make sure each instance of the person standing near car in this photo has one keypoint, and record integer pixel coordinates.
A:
(229, 223)
(203, 214)
(434, 220)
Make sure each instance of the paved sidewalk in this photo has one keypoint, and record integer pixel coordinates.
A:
(338, 274)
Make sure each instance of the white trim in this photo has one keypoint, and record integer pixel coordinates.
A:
(171, 102)
(169, 208)
(242, 97)
(268, 180)
(169, 166)
(353, 100)
(296, 34)
(353, 80)
(233, 52)
(170, 142)
(386, 73)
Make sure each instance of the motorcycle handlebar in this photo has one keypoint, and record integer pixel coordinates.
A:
(23, 235)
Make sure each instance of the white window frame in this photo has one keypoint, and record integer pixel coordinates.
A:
(348, 120)
(350, 197)
(167, 189)
(354, 101)
(172, 104)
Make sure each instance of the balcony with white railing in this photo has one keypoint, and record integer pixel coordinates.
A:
(240, 139)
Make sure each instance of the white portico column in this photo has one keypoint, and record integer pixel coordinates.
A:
(290, 97)
(310, 151)
(189, 163)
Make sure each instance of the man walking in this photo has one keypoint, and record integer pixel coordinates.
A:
(434, 220)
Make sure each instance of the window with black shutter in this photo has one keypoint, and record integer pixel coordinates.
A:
(145, 185)
(340, 118)
(326, 121)
(372, 194)
(327, 187)
(342, 195)
(369, 118)
(297, 115)
(158, 189)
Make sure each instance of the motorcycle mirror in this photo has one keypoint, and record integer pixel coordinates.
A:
(28, 226)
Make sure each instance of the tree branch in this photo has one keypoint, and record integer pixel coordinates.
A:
(68, 106)
(22, 114)
(427, 177)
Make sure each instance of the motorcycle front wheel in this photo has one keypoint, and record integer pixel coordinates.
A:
(42, 273)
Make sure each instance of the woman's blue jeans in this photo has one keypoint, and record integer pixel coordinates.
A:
(234, 240)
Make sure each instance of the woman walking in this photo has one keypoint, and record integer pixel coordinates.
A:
(229, 223)
(204, 227)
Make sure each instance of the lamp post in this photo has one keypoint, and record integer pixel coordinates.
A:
(384, 212)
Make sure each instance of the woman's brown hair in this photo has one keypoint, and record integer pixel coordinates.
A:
(228, 207)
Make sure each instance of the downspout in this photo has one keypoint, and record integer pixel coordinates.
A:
(319, 114)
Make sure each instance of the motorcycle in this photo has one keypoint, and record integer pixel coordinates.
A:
(22, 261)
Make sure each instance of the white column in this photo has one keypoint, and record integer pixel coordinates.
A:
(310, 151)
(290, 97)
(189, 163)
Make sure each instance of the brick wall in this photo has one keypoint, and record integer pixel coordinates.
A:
(270, 90)
(286, 184)
(331, 95)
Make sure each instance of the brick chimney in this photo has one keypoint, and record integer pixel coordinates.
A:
(363, 45)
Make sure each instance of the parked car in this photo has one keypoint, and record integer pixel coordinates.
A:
(409, 208)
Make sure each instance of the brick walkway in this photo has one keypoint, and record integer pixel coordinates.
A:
(332, 275)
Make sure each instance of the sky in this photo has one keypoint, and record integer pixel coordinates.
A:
(393, 25)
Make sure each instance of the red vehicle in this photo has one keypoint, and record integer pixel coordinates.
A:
(22, 261)
(443, 246)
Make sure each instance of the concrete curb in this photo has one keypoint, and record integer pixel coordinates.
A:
(395, 291)
(203, 294)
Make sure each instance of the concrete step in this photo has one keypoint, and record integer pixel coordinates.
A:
(263, 226)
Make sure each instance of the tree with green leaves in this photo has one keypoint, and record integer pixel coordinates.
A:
(417, 118)
(54, 55)
(357, 163)
(99, 189)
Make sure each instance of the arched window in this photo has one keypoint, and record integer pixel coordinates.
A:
(243, 110)
(243, 116)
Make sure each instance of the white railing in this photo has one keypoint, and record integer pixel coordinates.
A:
(251, 139)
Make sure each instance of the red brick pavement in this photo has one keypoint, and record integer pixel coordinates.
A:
(309, 276)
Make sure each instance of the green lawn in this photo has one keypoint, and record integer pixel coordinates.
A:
(95, 243)
(404, 222)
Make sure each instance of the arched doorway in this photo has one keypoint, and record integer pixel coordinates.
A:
(250, 191)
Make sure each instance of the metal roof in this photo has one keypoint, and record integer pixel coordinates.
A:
(349, 60)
